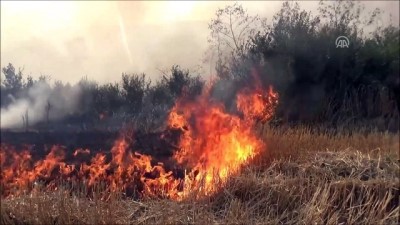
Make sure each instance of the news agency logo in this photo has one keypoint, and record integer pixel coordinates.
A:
(342, 42)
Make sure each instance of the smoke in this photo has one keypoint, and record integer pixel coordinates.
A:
(88, 41)
(37, 101)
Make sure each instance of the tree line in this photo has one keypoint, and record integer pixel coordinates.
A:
(295, 52)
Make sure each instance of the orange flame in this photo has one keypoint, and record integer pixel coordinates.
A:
(257, 105)
(213, 146)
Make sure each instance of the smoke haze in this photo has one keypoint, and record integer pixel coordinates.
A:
(39, 95)
(69, 40)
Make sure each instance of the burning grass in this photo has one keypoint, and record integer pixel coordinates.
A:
(213, 145)
(305, 177)
(224, 169)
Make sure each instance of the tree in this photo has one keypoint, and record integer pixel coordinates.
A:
(108, 99)
(29, 82)
(298, 55)
(230, 31)
(134, 88)
(380, 57)
(13, 81)
(47, 109)
(87, 91)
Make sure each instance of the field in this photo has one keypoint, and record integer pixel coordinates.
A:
(303, 176)
(259, 114)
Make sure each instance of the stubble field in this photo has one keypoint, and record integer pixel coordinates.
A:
(302, 177)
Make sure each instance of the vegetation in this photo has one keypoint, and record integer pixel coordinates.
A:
(303, 177)
(331, 153)
(296, 53)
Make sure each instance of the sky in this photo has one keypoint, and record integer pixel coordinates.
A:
(68, 40)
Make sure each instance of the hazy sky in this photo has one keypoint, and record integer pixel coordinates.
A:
(71, 39)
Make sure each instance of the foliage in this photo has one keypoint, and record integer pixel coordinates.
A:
(133, 99)
(230, 31)
(295, 52)
(13, 81)
(319, 82)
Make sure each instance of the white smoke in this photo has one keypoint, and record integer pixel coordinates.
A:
(34, 105)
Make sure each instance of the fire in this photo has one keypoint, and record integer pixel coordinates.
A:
(214, 144)
(81, 151)
(257, 105)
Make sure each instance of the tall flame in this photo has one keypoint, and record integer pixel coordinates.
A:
(214, 145)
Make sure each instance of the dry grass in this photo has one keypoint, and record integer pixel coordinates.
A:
(303, 178)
